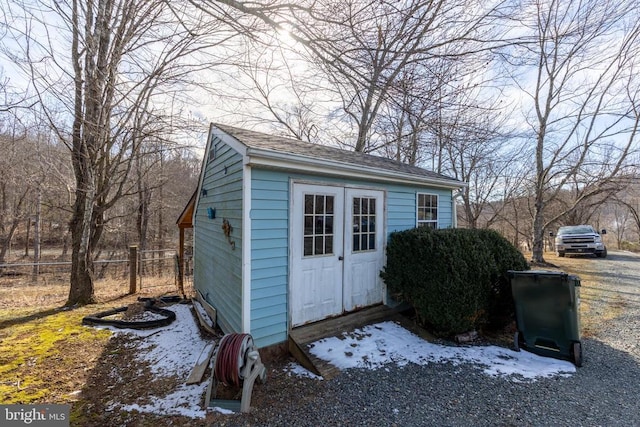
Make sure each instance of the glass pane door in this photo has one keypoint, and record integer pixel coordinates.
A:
(318, 224)
(364, 224)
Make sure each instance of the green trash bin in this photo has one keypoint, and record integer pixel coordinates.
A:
(547, 313)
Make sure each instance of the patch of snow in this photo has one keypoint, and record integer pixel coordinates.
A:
(185, 401)
(172, 350)
(294, 368)
(375, 346)
(222, 410)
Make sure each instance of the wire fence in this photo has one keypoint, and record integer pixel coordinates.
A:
(155, 268)
(154, 264)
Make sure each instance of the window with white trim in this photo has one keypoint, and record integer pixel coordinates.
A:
(318, 224)
(427, 215)
(364, 224)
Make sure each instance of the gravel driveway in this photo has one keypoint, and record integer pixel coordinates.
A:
(604, 392)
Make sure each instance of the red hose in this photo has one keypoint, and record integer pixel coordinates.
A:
(226, 369)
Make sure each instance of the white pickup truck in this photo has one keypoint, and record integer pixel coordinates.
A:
(580, 239)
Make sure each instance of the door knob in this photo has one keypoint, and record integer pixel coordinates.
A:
(340, 258)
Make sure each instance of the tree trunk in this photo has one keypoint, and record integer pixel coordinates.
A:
(65, 244)
(472, 220)
(82, 227)
(142, 220)
(37, 237)
(6, 242)
(26, 240)
(541, 180)
(160, 230)
(538, 229)
(516, 226)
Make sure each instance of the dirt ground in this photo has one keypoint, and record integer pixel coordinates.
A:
(47, 356)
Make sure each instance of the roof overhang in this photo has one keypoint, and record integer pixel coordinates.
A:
(295, 162)
(185, 220)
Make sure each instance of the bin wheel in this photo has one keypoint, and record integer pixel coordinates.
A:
(518, 341)
(576, 353)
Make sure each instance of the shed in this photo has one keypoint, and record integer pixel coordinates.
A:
(287, 232)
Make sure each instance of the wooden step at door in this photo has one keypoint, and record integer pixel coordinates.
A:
(301, 337)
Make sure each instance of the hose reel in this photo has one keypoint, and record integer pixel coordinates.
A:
(236, 361)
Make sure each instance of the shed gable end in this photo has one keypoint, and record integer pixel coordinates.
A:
(218, 257)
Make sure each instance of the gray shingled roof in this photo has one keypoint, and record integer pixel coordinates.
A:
(263, 141)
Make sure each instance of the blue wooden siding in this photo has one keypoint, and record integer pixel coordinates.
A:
(217, 266)
(269, 256)
(401, 207)
(270, 240)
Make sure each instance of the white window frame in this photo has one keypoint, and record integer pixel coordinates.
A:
(369, 233)
(314, 235)
(426, 222)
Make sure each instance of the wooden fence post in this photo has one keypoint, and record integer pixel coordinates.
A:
(133, 269)
(181, 263)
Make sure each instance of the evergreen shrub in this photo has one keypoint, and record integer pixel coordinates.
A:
(455, 279)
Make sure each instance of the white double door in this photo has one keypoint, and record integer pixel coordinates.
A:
(337, 250)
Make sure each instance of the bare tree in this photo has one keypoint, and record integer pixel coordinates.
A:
(22, 181)
(276, 81)
(449, 116)
(577, 66)
(111, 75)
(629, 200)
(471, 142)
(408, 121)
(5, 103)
(362, 47)
(621, 218)
(14, 192)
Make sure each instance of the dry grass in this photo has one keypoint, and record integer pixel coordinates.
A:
(46, 355)
(597, 305)
(21, 291)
